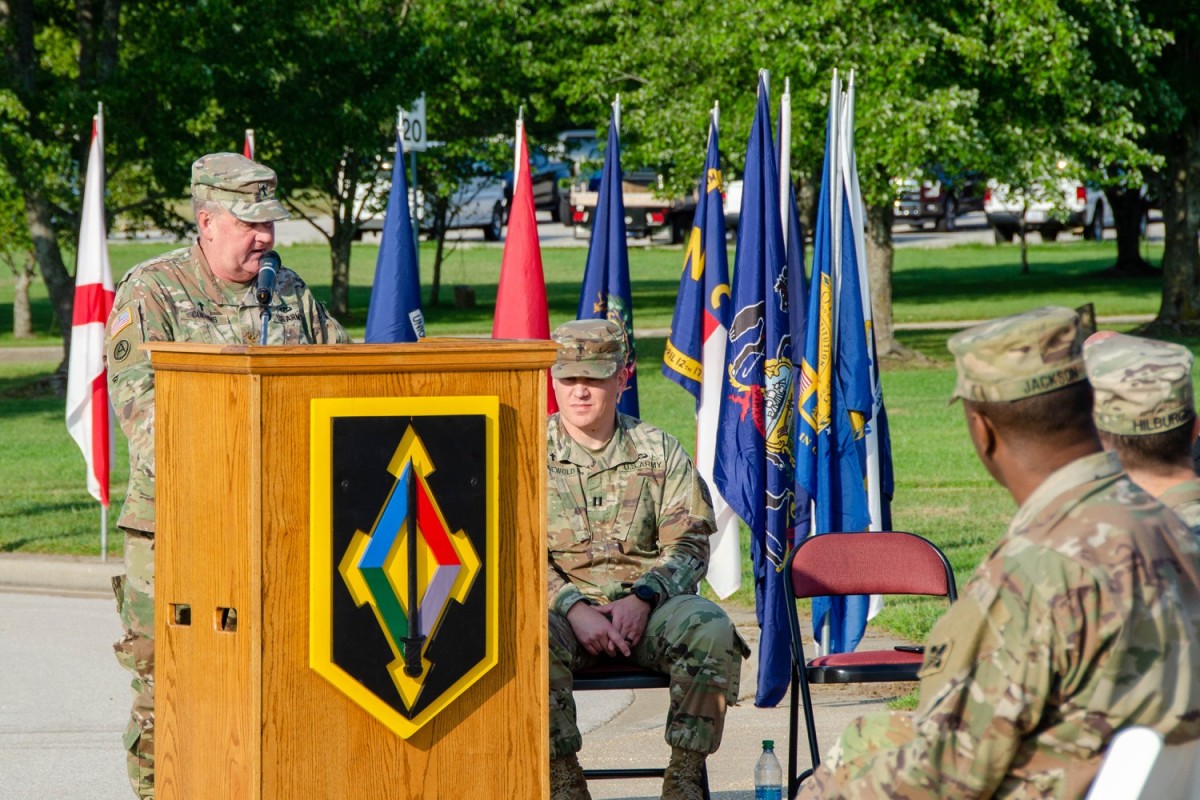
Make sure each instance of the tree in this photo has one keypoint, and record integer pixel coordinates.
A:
(16, 251)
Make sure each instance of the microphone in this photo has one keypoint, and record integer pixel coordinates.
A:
(268, 268)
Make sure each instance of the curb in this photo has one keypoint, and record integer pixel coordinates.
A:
(74, 575)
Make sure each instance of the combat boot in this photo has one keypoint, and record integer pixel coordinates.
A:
(684, 779)
(566, 779)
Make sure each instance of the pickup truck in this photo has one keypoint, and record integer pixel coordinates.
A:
(649, 211)
(1076, 207)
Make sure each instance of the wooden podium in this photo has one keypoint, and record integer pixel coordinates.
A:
(241, 713)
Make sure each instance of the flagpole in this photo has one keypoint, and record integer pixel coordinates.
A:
(103, 507)
(517, 148)
(785, 158)
(616, 109)
(835, 200)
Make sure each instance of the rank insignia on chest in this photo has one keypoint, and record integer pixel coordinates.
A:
(404, 576)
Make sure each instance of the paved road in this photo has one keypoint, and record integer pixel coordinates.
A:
(64, 699)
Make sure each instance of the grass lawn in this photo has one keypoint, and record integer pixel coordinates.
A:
(941, 490)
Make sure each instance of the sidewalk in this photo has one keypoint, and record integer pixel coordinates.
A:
(621, 728)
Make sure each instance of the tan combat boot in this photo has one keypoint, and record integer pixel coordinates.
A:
(566, 779)
(685, 776)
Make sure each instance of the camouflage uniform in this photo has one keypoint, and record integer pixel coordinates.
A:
(1083, 619)
(176, 297)
(1144, 386)
(1184, 500)
(635, 514)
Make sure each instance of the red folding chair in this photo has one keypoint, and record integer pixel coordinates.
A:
(838, 564)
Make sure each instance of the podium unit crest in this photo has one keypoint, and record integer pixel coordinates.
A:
(403, 551)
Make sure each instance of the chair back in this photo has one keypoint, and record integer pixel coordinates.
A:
(870, 562)
(1138, 765)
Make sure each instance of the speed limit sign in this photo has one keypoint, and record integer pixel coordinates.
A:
(412, 127)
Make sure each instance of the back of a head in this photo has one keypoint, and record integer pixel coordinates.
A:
(1025, 372)
(1144, 408)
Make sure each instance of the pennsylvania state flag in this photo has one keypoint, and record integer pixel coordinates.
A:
(695, 355)
(836, 396)
(754, 465)
(606, 293)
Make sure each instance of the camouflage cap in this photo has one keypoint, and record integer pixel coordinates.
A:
(589, 348)
(1020, 356)
(243, 187)
(1142, 386)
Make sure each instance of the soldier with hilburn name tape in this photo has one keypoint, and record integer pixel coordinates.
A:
(628, 525)
(1146, 414)
(201, 293)
(1084, 618)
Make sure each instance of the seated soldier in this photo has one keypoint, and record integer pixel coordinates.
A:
(629, 521)
(1063, 635)
(1146, 414)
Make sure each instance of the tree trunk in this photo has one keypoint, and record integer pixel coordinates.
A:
(441, 211)
(22, 316)
(59, 285)
(1181, 217)
(1129, 215)
(880, 258)
(340, 242)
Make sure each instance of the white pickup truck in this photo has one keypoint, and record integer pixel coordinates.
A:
(1063, 205)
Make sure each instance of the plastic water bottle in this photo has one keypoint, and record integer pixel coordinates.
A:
(768, 775)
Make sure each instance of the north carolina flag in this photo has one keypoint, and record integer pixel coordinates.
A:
(606, 293)
(89, 415)
(394, 313)
(695, 355)
(522, 311)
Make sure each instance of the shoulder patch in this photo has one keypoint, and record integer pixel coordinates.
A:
(121, 321)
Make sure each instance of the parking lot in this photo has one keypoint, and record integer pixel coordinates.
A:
(972, 228)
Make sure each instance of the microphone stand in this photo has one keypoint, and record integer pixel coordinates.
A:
(266, 317)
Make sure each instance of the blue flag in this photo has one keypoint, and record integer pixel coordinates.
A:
(606, 293)
(754, 464)
(835, 392)
(695, 356)
(394, 314)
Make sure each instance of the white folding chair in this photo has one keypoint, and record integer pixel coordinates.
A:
(1138, 765)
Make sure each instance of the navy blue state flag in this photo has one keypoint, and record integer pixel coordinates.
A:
(394, 313)
(606, 293)
(754, 468)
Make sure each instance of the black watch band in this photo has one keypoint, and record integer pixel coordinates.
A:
(644, 592)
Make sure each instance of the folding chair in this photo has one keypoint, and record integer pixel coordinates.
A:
(836, 564)
(1138, 765)
(616, 674)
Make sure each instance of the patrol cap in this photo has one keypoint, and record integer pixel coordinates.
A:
(243, 187)
(589, 348)
(1019, 356)
(1142, 386)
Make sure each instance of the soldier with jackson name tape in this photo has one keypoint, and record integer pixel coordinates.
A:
(629, 521)
(1083, 619)
(201, 293)
(1146, 414)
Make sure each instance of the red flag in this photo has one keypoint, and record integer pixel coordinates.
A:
(521, 308)
(248, 145)
(89, 416)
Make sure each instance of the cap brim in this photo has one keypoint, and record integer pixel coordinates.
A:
(266, 211)
(582, 369)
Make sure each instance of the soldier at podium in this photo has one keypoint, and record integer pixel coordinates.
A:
(629, 524)
(201, 293)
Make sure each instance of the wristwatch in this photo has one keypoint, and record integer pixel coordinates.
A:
(644, 592)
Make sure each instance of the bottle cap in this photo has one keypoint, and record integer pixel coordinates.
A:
(768, 744)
